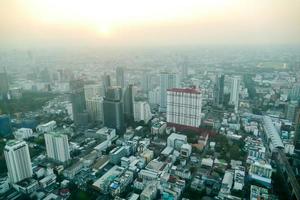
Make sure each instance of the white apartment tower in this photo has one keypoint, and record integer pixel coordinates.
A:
(18, 160)
(184, 107)
(57, 146)
(234, 93)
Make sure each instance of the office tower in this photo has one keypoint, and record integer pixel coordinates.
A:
(93, 90)
(219, 90)
(294, 94)
(167, 81)
(142, 111)
(291, 111)
(146, 82)
(234, 94)
(183, 72)
(184, 107)
(78, 102)
(120, 77)
(57, 146)
(106, 82)
(128, 102)
(113, 110)
(154, 96)
(3, 84)
(94, 108)
(18, 160)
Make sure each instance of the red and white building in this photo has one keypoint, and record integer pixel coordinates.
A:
(184, 107)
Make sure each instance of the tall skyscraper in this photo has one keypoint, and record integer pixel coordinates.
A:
(146, 82)
(113, 110)
(4, 86)
(94, 107)
(106, 82)
(78, 102)
(120, 77)
(128, 102)
(57, 146)
(167, 81)
(18, 160)
(184, 107)
(234, 94)
(294, 94)
(219, 90)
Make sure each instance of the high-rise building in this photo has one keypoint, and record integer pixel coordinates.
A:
(183, 71)
(106, 82)
(294, 94)
(167, 81)
(154, 96)
(113, 110)
(142, 111)
(57, 146)
(219, 90)
(78, 102)
(234, 93)
(291, 111)
(146, 82)
(128, 102)
(93, 90)
(184, 107)
(3, 84)
(120, 77)
(18, 160)
(94, 108)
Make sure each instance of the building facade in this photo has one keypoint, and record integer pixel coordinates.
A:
(57, 146)
(18, 161)
(167, 81)
(184, 107)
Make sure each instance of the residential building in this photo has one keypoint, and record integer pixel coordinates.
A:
(142, 111)
(167, 81)
(57, 146)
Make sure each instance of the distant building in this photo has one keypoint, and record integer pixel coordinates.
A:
(154, 96)
(23, 133)
(219, 90)
(176, 141)
(128, 99)
(291, 111)
(4, 86)
(120, 77)
(167, 81)
(184, 107)
(106, 82)
(261, 172)
(294, 94)
(47, 127)
(57, 146)
(18, 160)
(234, 92)
(94, 107)
(78, 102)
(93, 90)
(142, 111)
(146, 82)
(113, 110)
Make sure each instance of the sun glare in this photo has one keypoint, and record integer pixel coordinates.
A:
(103, 15)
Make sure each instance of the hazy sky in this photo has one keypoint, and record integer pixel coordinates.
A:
(43, 23)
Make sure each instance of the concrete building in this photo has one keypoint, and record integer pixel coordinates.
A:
(184, 107)
(158, 128)
(18, 160)
(154, 96)
(47, 127)
(176, 141)
(219, 90)
(167, 81)
(142, 111)
(261, 172)
(128, 98)
(234, 92)
(57, 147)
(23, 133)
(120, 77)
(94, 107)
(113, 110)
(78, 102)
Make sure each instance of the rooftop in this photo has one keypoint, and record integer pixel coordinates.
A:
(185, 90)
